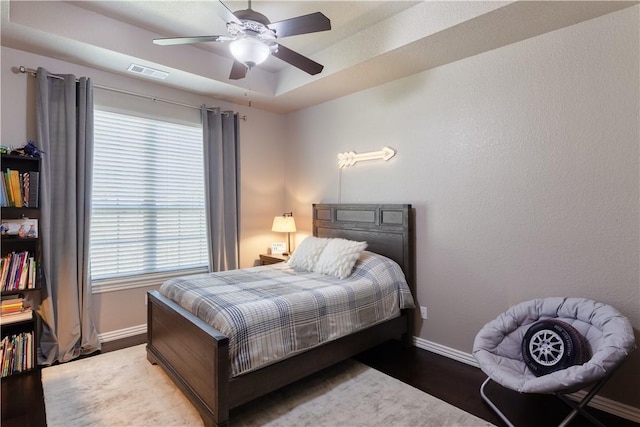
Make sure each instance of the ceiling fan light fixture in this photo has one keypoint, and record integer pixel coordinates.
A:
(254, 38)
(250, 51)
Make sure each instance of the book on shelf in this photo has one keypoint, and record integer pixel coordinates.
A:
(16, 353)
(32, 194)
(4, 197)
(22, 316)
(20, 189)
(25, 189)
(18, 271)
(16, 191)
(11, 304)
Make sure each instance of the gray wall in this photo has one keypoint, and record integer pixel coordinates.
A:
(522, 165)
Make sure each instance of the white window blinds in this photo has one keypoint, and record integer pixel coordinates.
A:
(148, 213)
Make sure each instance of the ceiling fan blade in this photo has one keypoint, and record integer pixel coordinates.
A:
(304, 24)
(238, 71)
(297, 60)
(186, 40)
(225, 13)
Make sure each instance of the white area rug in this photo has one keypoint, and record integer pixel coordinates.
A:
(122, 388)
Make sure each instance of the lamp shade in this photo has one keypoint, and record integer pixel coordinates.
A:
(250, 51)
(284, 224)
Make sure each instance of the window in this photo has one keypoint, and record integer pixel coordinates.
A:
(148, 212)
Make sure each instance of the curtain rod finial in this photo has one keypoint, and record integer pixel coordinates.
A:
(23, 70)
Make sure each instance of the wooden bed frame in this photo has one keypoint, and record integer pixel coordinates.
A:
(195, 355)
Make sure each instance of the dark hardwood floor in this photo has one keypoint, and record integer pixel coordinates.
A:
(23, 400)
(446, 379)
(459, 384)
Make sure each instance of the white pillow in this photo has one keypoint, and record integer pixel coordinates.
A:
(338, 257)
(307, 253)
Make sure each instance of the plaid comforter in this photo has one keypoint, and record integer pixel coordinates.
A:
(272, 312)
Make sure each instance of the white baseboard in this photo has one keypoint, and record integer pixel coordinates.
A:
(610, 406)
(123, 333)
(602, 403)
(442, 350)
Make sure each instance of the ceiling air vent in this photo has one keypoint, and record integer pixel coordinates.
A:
(149, 72)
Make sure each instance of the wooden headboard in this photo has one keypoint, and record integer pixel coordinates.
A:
(387, 229)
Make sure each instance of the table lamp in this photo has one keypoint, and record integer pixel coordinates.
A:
(285, 224)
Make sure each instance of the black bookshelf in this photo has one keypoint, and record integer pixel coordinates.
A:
(13, 328)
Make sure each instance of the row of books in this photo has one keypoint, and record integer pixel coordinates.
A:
(16, 353)
(19, 189)
(18, 271)
(13, 310)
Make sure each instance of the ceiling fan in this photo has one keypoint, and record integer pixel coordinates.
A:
(253, 38)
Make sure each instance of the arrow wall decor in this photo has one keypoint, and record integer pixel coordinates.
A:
(350, 158)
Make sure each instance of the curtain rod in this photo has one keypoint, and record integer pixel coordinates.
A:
(33, 72)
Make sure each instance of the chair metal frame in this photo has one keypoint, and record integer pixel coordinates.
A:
(577, 407)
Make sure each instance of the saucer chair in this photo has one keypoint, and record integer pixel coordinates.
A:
(554, 346)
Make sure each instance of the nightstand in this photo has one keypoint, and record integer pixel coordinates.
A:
(267, 259)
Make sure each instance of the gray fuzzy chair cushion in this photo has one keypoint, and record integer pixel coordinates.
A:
(497, 347)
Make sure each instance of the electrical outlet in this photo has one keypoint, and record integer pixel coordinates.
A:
(423, 312)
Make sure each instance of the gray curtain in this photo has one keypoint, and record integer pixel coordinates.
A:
(220, 130)
(64, 113)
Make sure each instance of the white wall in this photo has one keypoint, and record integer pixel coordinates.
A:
(261, 162)
(522, 164)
